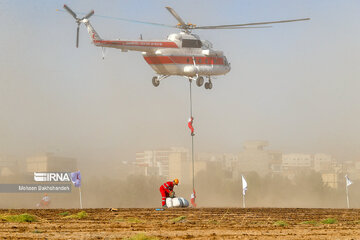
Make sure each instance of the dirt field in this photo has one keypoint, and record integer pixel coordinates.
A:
(203, 223)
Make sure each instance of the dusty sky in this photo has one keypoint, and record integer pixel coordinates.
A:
(295, 85)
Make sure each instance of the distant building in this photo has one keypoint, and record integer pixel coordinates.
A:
(355, 173)
(294, 163)
(207, 157)
(352, 169)
(171, 163)
(296, 160)
(147, 161)
(357, 165)
(275, 162)
(330, 179)
(50, 163)
(229, 163)
(323, 162)
(254, 158)
(163, 162)
(8, 166)
(179, 166)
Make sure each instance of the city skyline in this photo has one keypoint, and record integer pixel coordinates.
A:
(295, 85)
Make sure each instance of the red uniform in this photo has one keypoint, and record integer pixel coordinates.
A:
(165, 189)
(190, 125)
(193, 196)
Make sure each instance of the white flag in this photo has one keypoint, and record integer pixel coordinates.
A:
(76, 178)
(348, 181)
(244, 184)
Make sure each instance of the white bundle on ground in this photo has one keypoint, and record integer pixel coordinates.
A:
(177, 202)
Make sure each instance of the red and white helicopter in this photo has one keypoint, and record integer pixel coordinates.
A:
(182, 54)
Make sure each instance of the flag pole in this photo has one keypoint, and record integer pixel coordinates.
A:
(347, 184)
(80, 198)
(347, 196)
(76, 180)
(244, 188)
(243, 200)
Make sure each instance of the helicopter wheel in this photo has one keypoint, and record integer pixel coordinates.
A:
(208, 85)
(155, 81)
(199, 81)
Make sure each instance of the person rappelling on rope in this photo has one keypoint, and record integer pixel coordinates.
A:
(166, 190)
(45, 202)
(190, 125)
(193, 196)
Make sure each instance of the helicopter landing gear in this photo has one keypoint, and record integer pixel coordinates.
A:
(156, 80)
(209, 84)
(199, 81)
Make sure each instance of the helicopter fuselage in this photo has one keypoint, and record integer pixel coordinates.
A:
(181, 54)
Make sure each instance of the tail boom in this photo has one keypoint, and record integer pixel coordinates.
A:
(139, 45)
(127, 45)
(94, 36)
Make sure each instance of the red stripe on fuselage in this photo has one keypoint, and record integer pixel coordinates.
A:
(138, 43)
(184, 60)
(158, 60)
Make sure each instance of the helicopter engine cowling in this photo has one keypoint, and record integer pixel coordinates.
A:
(191, 70)
(209, 52)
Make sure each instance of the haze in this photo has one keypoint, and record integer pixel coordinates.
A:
(295, 85)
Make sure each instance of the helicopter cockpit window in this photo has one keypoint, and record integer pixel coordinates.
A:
(191, 43)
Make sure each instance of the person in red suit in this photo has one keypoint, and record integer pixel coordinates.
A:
(190, 125)
(45, 202)
(193, 196)
(166, 190)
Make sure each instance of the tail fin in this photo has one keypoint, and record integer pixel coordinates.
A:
(94, 36)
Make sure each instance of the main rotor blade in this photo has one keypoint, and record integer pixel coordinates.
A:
(70, 11)
(136, 21)
(172, 11)
(235, 26)
(89, 14)
(77, 35)
(126, 20)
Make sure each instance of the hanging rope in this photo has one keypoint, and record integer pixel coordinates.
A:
(192, 140)
(190, 81)
(193, 196)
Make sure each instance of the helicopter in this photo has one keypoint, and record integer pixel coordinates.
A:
(182, 54)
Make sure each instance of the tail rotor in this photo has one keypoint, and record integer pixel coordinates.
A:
(78, 21)
(77, 35)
